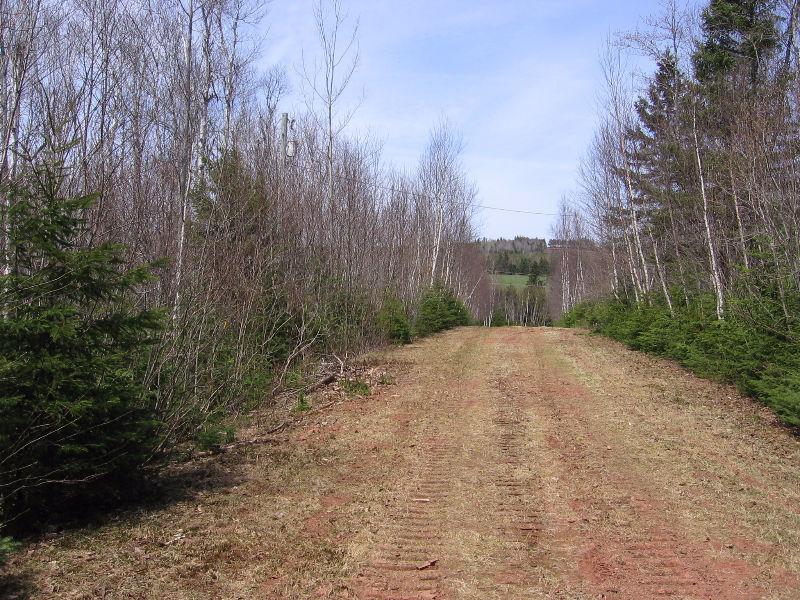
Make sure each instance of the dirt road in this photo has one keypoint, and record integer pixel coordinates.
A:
(503, 463)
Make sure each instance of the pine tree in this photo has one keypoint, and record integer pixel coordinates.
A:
(71, 408)
(663, 167)
(736, 32)
(393, 321)
(440, 310)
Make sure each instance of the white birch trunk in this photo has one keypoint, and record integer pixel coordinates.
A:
(716, 279)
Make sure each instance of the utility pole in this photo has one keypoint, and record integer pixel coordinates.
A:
(5, 132)
(284, 140)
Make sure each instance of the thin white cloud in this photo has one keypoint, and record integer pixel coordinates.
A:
(518, 78)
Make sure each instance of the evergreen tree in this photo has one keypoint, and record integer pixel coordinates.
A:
(523, 266)
(503, 263)
(71, 408)
(663, 164)
(440, 310)
(538, 268)
(393, 321)
(736, 32)
(658, 110)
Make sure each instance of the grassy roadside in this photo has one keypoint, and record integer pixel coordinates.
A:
(762, 364)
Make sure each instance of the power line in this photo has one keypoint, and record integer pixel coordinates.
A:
(392, 189)
(514, 210)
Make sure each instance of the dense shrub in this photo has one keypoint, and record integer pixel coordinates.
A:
(71, 409)
(762, 363)
(440, 310)
(393, 321)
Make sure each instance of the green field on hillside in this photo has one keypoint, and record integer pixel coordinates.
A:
(519, 281)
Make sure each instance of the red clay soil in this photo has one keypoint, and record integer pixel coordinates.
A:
(499, 463)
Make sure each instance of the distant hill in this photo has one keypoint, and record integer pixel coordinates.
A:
(519, 244)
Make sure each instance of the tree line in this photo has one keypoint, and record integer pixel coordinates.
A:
(688, 213)
(518, 263)
(526, 306)
(165, 263)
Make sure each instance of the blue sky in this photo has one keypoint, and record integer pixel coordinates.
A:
(518, 79)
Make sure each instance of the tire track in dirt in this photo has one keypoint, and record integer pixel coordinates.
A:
(499, 513)
(470, 504)
(517, 511)
(412, 551)
(407, 561)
